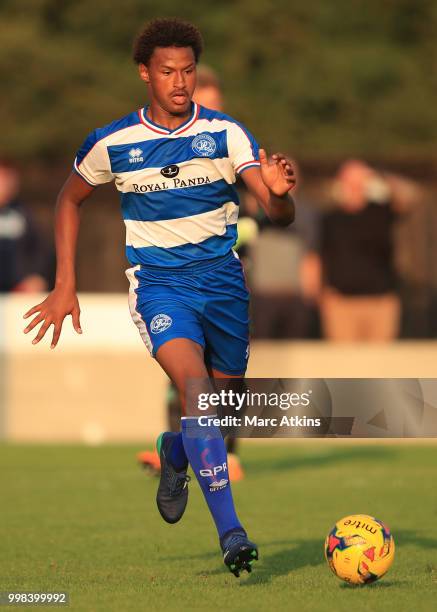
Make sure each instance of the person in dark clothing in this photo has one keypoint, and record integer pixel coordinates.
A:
(22, 252)
(358, 296)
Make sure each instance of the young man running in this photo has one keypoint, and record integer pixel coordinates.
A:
(175, 164)
(208, 93)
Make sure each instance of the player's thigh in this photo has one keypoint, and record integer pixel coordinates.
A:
(183, 361)
(226, 331)
(221, 375)
(164, 307)
(235, 383)
(162, 320)
(225, 320)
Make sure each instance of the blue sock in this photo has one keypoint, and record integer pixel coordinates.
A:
(206, 452)
(177, 457)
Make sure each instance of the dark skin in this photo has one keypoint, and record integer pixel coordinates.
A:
(171, 79)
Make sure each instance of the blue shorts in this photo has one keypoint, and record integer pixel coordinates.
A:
(208, 303)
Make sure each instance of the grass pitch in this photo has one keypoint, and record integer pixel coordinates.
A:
(84, 520)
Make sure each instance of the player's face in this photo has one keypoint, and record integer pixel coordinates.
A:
(171, 76)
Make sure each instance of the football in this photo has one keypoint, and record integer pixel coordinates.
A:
(359, 549)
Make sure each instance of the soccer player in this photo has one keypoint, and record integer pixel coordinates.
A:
(208, 93)
(175, 163)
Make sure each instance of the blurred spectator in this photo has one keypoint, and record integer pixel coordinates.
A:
(208, 91)
(280, 308)
(22, 251)
(355, 273)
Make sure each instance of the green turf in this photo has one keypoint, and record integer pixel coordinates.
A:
(84, 520)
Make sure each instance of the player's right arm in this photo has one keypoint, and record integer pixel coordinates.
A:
(62, 301)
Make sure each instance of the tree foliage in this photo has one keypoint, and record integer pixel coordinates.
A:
(319, 79)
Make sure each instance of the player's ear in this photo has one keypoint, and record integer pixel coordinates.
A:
(144, 73)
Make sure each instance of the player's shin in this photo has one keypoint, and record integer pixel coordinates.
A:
(206, 452)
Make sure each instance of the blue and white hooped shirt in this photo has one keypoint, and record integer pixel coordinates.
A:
(178, 199)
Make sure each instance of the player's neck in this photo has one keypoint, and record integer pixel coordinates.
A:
(165, 119)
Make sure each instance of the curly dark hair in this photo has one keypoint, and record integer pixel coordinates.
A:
(166, 33)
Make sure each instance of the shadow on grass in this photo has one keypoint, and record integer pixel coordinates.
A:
(296, 462)
(383, 584)
(404, 537)
(301, 553)
(295, 555)
(306, 552)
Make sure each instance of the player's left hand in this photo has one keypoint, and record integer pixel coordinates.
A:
(277, 173)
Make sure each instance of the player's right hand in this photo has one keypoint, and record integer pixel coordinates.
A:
(52, 311)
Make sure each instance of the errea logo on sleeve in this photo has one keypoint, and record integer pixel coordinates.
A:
(135, 156)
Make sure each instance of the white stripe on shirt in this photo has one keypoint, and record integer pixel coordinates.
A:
(186, 230)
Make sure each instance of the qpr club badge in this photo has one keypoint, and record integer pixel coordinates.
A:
(160, 323)
(204, 145)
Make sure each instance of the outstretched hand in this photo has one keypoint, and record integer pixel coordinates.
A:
(52, 311)
(277, 173)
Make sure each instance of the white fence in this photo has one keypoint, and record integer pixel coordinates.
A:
(103, 386)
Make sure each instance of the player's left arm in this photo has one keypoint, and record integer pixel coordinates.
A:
(271, 184)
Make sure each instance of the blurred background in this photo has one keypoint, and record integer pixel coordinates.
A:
(347, 89)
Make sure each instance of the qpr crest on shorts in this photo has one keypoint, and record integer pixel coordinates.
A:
(204, 145)
(160, 323)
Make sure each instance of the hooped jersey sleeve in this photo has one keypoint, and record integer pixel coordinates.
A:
(92, 161)
(243, 148)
